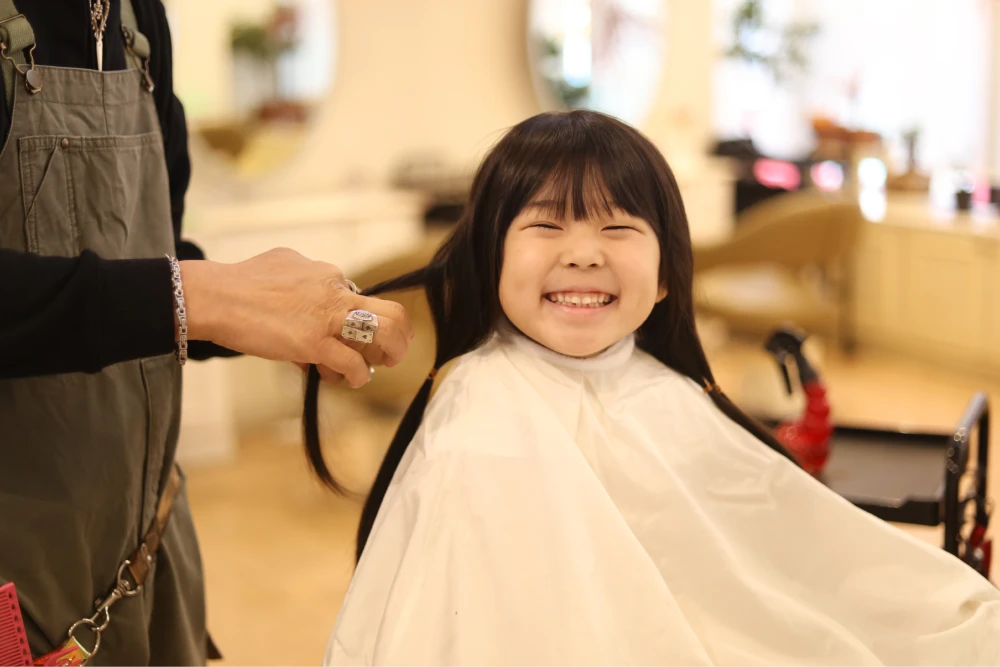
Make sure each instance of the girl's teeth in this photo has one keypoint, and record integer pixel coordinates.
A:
(585, 301)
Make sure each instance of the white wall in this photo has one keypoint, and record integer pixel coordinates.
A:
(438, 77)
(680, 121)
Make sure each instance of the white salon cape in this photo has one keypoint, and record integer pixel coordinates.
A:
(603, 511)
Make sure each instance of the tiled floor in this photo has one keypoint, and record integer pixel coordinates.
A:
(278, 549)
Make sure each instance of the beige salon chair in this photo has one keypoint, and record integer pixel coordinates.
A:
(787, 262)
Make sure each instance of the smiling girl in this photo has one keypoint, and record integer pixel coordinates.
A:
(579, 491)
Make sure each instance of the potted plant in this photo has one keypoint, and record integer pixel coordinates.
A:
(256, 48)
(780, 52)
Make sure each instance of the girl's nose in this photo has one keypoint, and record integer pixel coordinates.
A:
(582, 251)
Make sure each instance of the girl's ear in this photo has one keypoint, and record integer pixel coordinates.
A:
(661, 294)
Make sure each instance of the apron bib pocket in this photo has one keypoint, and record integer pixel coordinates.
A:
(110, 188)
(83, 193)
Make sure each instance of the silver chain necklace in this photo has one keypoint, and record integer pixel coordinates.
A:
(99, 10)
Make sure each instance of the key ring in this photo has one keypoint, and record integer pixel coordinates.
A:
(97, 635)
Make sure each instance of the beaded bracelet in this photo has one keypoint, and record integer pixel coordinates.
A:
(182, 328)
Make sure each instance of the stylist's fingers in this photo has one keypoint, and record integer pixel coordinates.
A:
(373, 354)
(394, 331)
(339, 358)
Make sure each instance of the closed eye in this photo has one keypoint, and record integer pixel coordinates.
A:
(618, 228)
(545, 225)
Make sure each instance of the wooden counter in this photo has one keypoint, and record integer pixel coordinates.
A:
(928, 282)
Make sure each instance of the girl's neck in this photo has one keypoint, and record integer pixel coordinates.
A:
(609, 359)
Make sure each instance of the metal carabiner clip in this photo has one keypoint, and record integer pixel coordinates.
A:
(73, 653)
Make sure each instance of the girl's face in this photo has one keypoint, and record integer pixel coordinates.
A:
(579, 286)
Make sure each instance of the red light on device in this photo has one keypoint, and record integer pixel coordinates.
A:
(777, 174)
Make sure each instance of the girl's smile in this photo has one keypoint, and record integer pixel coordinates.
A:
(581, 298)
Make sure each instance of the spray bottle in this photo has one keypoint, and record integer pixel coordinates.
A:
(808, 437)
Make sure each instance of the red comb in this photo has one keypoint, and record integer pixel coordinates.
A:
(13, 640)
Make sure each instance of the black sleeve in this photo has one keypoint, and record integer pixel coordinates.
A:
(80, 314)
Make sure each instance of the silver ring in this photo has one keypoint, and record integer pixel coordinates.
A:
(360, 326)
(352, 286)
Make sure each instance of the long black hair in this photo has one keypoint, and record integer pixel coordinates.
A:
(587, 160)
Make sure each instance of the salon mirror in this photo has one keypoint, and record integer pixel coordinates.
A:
(251, 75)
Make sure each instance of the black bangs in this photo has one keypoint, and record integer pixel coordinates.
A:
(580, 165)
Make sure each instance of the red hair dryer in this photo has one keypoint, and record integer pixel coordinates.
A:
(808, 437)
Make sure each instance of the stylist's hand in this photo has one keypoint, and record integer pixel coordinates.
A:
(285, 307)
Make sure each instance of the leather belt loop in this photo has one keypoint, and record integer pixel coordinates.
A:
(143, 557)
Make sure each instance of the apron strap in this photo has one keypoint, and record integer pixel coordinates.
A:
(141, 560)
(16, 36)
(139, 43)
(136, 44)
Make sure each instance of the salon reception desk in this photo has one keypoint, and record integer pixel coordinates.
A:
(927, 282)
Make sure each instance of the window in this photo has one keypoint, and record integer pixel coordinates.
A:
(887, 66)
(598, 54)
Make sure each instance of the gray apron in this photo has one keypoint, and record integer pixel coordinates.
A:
(84, 457)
